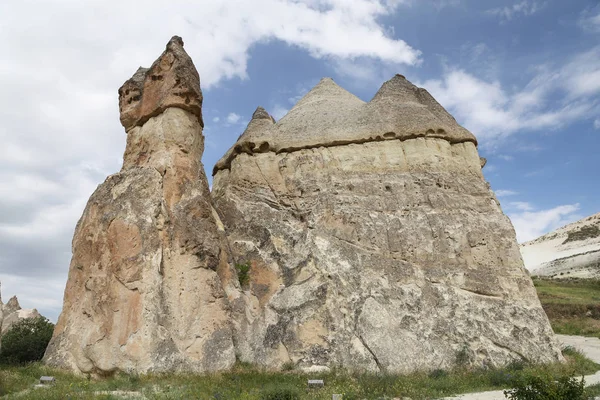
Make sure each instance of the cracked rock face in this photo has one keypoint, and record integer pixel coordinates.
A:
(374, 241)
(145, 290)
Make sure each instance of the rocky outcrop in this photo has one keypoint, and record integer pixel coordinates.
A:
(572, 251)
(144, 291)
(374, 241)
(363, 235)
(11, 313)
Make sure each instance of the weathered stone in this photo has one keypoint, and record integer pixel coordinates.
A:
(144, 292)
(11, 313)
(172, 81)
(374, 241)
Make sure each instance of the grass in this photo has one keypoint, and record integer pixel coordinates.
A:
(249, 383)
(572, 305)
(243, 272)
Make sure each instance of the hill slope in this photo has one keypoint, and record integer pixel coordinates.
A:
(570, 251)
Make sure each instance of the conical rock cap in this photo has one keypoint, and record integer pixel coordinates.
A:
(328, 115)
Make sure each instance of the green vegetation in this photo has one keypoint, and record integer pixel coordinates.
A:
(243, 271)
(547, 387)
(572, 305)
(586, 232)
(26, 341)
(249, 383)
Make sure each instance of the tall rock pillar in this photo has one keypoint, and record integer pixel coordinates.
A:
(144, 292)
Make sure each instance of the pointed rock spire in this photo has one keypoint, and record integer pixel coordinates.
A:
(261, 113)
(260, 120)
(327, 90)
(171, 81)
(12, 305)
(399, 89)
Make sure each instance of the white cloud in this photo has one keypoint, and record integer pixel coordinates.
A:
(530, 224)
(233, 118)
(505, 193)
(597, 123)
(216, 119)
(590, 20)
(524, 8)
(279, 112)
(505, 157)
(521, 205)
(491, 112)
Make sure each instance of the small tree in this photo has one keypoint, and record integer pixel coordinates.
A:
(26, 341)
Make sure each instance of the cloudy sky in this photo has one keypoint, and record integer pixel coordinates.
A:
(522, 75)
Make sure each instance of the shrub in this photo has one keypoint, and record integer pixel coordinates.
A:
(26, 341)
(243, 273)
(438, 373)
(544, 387)
(280, 392)
(288, 366)
(463, 358)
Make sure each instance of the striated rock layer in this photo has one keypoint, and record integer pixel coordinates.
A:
(571, 251)
(373, 239)
(144, 291)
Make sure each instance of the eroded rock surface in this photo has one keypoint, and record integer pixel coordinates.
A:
(571, 251)
(374, 241)
(144, 291)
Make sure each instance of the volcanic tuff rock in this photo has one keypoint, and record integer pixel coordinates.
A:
(570, 251)
(144, 292)
(374, 241)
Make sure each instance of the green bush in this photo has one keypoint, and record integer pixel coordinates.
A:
(280, 392)
(545, 387)
(438, 373)
(26, 341)
(243, 273)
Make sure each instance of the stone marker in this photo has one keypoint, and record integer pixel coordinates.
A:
(336, 397)
(316, 383)
(47, 380)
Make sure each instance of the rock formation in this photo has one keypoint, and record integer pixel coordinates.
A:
(572, 251)
(374, 241)
(11, 313)
(144, 292)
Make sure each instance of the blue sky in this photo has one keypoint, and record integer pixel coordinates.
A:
(522, 75)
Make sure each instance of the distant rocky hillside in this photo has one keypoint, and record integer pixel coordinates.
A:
(571, 251)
